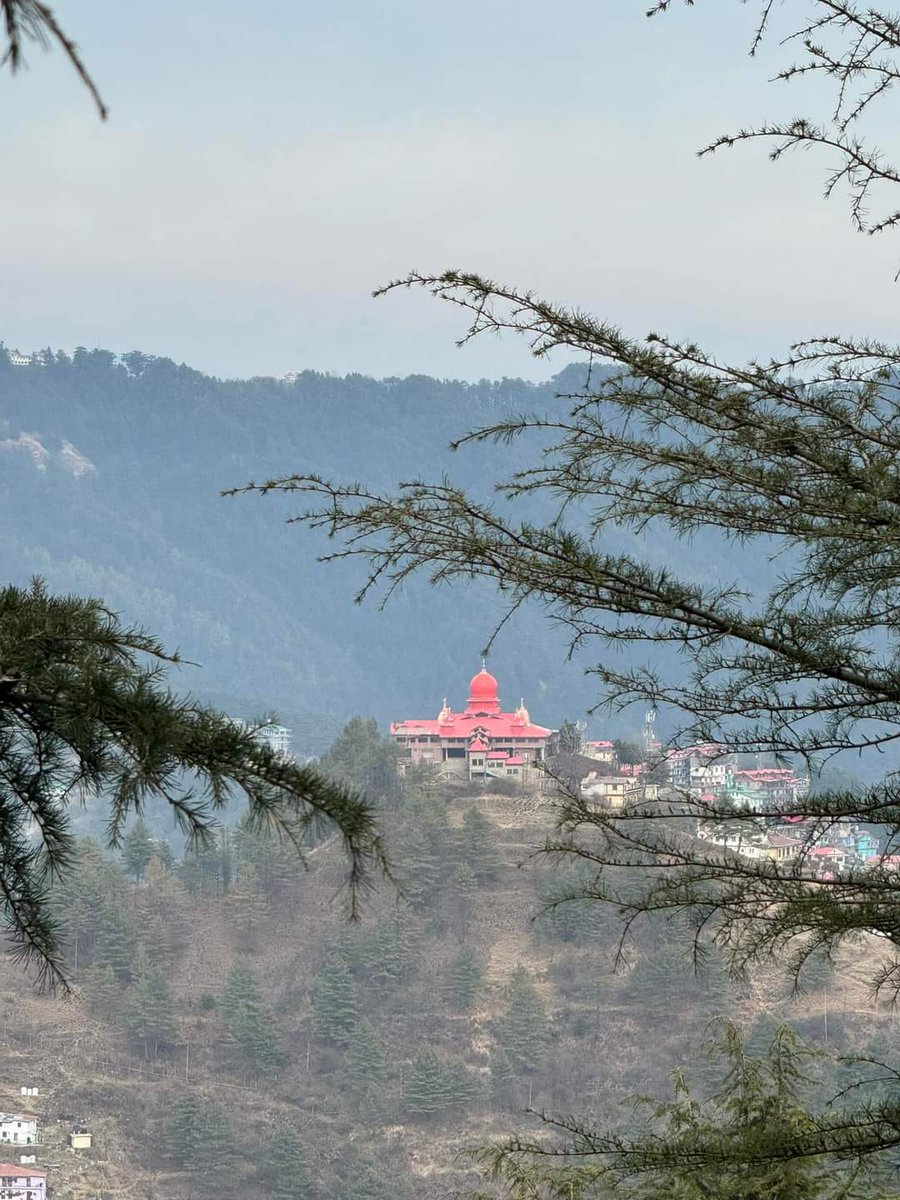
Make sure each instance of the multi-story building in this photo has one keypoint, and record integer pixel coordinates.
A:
(276, 737)
(482, 741)
(22, 1182)
(779, 784)
(604, 752)
(699, 769)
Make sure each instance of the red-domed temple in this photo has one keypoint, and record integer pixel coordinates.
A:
(480, 742)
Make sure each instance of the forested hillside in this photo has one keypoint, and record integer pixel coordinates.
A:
(110, 482)
(231, 1036)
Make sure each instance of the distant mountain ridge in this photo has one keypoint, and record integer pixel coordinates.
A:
(111, 470)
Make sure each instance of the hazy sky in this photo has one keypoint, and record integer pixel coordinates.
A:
(266, 165)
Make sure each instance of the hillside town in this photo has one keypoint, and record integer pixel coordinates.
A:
(22, 1142)
(485, 743)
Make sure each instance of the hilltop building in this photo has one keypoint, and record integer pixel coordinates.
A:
(276, 737)
(481, 742)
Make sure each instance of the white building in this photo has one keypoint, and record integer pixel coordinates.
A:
(18, 1129)
(277, 738)
(22, 1183)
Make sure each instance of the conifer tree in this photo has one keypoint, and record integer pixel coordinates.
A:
(686, 1148)
(435, 1084)
(115, 942)
(522, 1030)
(250, 1032)
(363, 759)
(287, 1172)
(102, 993)
(466, 977)
(504, 1081)
(463, 885)
(335, 1000)
(666, 980)
(274, 865)
(418, 867)
(365, 1069)
(150, 1012)
(365, 1179)
(137, 849)
(478, 846)
(208, 868)
(199, 1137)
(797, 458)
(389, 951)
(85, 711)
(156, 942)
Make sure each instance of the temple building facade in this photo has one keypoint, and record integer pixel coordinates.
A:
(481, 742)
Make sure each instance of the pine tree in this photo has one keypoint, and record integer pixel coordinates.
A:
(335, 1000)
(522, 1030)
(433, 1084)
(102, 993)
(688, 1153)
(504, 1081)
(156, 942)
(666, 980)
(462, 888)
(390, 951)
(250, 1033)
(85, 711)
(418, 867)
(466, 977)
(150, 1012)
(274, 863)
(115, 943)
(478, 846)
(286, 1172)
(364, 760)
(199, 1137)
(365, 1179)
(795, 457)
(137, 849)
(365, 1069)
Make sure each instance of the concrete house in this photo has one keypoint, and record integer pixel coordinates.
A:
(18, 1129)
(22, 1183)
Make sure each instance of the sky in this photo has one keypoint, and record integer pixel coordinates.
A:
(265, 166)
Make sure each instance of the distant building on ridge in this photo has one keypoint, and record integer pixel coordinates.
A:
(481, 742)
(276, 737)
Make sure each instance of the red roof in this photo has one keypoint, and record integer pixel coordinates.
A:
(497, 754)
(482, 713)
(767, 775)
(477, 747)
(499, 726)
(515, 761)
(21, 1171)
(823, 850)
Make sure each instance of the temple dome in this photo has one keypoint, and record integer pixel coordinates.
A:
(483, 690)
